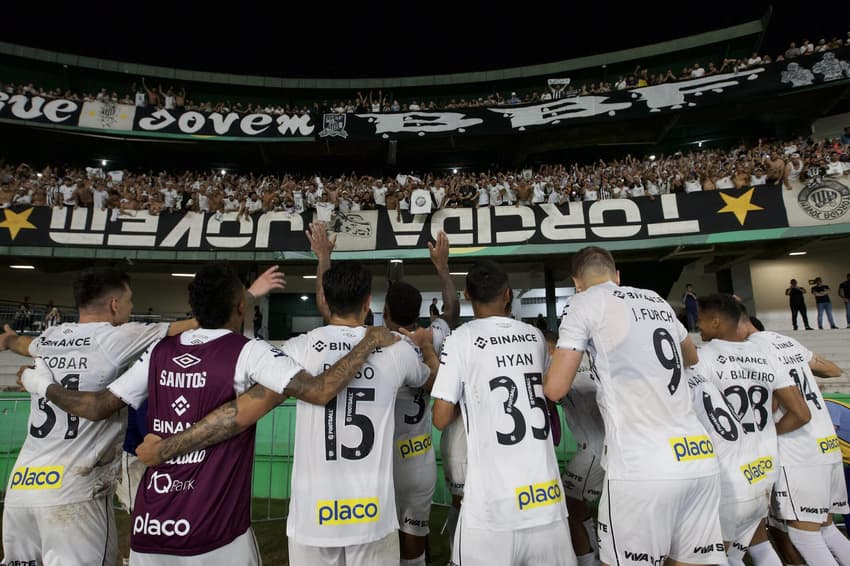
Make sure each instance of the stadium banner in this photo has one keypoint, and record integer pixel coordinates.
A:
(821, 200)
(708, 90)
(39, 110)
(230, 125)
(635, 221)
(774, 78)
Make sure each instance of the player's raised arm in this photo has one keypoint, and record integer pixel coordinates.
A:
(439, 252)
(322, 245)
(235, 416)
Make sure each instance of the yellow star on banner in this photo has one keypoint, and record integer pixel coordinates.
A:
(16, 222)
(739, 206)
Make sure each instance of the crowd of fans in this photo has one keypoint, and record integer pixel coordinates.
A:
(170, 98)
(124, 192)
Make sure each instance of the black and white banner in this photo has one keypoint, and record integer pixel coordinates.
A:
(723, 88)
(230, 125)
(732, 212)
(619, 105)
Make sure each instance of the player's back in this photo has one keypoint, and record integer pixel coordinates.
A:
(512, 477)
(745, 472)
(582, 412)
(747, 374)
(633, 339)
(815, 442)
(67, 459)
(342, 477)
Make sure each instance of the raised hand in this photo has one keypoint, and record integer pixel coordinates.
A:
(272, 279)
(320, 243)
(439, 252)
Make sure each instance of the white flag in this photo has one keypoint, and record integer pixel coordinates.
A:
(420, 202)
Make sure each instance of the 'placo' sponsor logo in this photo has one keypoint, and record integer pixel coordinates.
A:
(415, 446)
(692, 448)
(828, 444)
(758, 469)
(348, 511)
(538, 495)
(169, 527)
(46, 477)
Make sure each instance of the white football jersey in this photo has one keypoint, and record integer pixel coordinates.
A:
(493, 369)
(582, 413)
(413, 422)
(67, 459)
(745, 472)
(343, 472)
(747, 375)
(815, 442)
(633, 338)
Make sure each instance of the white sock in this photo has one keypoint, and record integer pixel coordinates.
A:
(590, 527)
(451, 523)
(735, 556)
(588, 559)
(418, 561)
(811, 546)
(837, 544)
(763, 554)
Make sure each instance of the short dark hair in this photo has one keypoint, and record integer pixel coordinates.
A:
(550, 336)
(93, 284)
(593, 259)
(724, 305)
(485, 281)
(346, 285)
(403, 303)
(213, 293)
(757, 324)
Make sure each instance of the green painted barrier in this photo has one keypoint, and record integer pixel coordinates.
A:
(273, 452)
(272, 455)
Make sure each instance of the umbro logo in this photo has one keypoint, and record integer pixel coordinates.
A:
(480, 342)
(319, 346)
(186, 360)
(180, 405)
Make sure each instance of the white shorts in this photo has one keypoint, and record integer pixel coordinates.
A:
(76, 533)
(132, 470)
(685, 522)
(453, 454)
(415, 480)
(383, 552)
(583, 477)
(547, 544)
(241, 550)
(739, 520)
(809, 493)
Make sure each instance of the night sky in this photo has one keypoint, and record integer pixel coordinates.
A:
(368, 39)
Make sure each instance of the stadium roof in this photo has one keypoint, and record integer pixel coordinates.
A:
(370, 40)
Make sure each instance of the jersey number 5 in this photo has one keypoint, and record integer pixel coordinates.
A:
(535, 401)
(354, 395)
